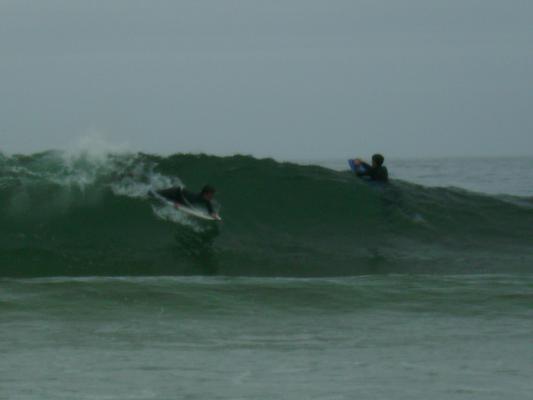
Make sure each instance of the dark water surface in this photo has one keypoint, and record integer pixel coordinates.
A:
(315, 286)
(398, 336)
(79, 216)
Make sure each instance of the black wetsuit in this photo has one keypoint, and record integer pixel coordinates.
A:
(186, 198)
(379, 174)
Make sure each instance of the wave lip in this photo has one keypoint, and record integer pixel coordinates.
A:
(80, 217)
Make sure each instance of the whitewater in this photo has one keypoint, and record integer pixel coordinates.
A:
(316, 285)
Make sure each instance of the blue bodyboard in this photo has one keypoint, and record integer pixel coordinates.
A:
(356, 168)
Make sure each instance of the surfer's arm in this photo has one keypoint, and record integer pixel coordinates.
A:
(210, 209)
(366, 169)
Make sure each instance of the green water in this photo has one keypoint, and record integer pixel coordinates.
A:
(83, 217)
(315, 286)
(371, 337)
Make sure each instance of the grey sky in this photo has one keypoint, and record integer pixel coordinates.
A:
(288, 78)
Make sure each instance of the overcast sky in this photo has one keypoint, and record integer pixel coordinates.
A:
(285, 78)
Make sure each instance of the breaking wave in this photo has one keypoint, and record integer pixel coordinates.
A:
(78, 215)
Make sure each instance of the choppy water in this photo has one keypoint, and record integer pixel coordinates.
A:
(316, 286)
(402, 337)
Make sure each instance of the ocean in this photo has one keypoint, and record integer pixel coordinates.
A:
(316, 285)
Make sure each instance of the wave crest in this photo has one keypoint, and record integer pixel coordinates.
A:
(80, 216)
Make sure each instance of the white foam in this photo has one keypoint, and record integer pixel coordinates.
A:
(142, 179)
(168, 213)
(94, 147)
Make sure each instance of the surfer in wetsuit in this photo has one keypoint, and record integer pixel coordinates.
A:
(375, 172)
(187, 198)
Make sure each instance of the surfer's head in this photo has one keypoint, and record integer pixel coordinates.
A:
(377, 160)
(208, 192)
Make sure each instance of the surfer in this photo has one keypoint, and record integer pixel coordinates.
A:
(184, 197)
(375, 172)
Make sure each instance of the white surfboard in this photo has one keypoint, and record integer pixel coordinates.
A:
(192, 211)
(196, 212)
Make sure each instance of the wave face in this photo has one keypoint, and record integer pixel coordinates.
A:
(81, 215)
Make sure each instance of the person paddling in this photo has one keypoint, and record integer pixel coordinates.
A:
(184, 197)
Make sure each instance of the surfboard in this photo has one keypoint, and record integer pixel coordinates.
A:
(192, 211)
(196, 212)
(356, 168)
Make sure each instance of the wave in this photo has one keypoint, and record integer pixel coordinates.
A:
(77, 215)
